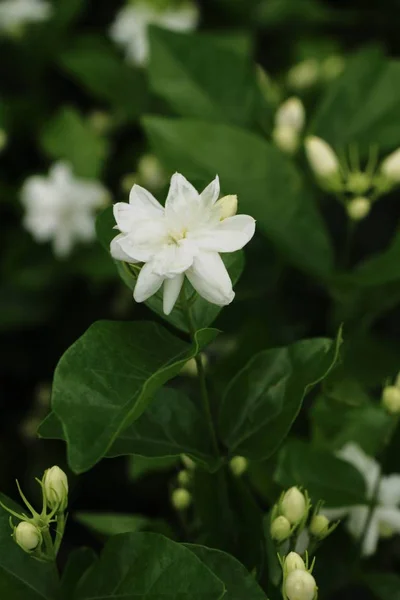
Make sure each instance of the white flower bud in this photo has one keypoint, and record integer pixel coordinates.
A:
(291, 114)
(391, 399)
(280, 529)
(304, 74)
(227, 206)
(27, 536)
(184, 478)
(390, 166)
(55, 484)
(238, 465)
(181, 499)
(358, 208)
(286, 138)
(319, 526)
(293, 562)
(293, 505)
(321, 157)
(300, 585)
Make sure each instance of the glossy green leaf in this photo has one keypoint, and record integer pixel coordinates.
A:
(22, 577)
(325, 476)
(106, 379)
(203, 313)
(267, 183)
(67, 136)
(385, 586)
(239, 583)
(108, 524)
(79, 561)
(172, 424)
(150, 567)
(201, 77)
(265, 397)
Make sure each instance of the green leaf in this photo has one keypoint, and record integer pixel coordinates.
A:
(362, 104)
(22, 577)
(149, 567)
(108, 524)
(172, 425)
(79, 561)
(139, 466)
(325, 476)
(203, 313)
(268, 185)
(200, 77)
(385, 586)
(67, 136)
(239, 583)
(95, 63)
(265, 397)
(106, 379)
(381, 269)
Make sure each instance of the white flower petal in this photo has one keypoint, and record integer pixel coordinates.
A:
(230, 235)
(148, 283)
(210, 194)
(125, 216)
(370, 541)
(367, 466)
(116, 251)
(172, 288)
(63, 242)
(180, 192)
(210, 279)
(146, 240)
(389, 516)
(144, 203)
(174, 258)
(61, 174)
(389, 491)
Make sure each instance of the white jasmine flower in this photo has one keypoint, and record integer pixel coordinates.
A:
(61, 207)
(182, 239)
(386, 514)
(130, 28)
(15, 14)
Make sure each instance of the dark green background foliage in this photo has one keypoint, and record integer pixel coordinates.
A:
(288, 386)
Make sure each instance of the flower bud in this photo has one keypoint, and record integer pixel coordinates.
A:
(358, 208)
(238, 465)
(300, 585)
(280, 529)
(390, 166)
(181, 499)
(227, 206)
(27, 536)
(286, 138)
(291, 114)
(55, 484)
(321, 157)
(304, 74)
(188, 462)
(293, 562)
(293, 505)
(151, 172)
(3, 139)
(319, 526)
(184, 478)
(391, 399)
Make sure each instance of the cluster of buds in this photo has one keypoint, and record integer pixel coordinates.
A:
(181, 497)
(289, 123)
(32, 533)
(391, 397)
(357, 188)
(289, 515)
(298, 581)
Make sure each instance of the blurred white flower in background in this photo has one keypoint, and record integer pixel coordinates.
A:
(130, 28)
(290, 119)
(182, 239)
(384, 520)
(15, 14)
(61, 207)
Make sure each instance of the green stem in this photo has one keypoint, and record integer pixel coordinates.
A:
(202, 375)
(59, 532)
(48, 544)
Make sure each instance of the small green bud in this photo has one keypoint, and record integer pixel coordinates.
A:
(358, 208)
(319, 526)
(293, 562)
(181, 499)
(27, 536)
(238, 465)
(55, 485)
(184, 478)
(391, 399)
(300, 585)
(280, 529)
(188, 462)
(293, 505)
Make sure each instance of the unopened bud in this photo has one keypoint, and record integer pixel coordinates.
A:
(319, 526)
(280, 529)
(55, 485)
(27, 536)
(293, 562)
(293, 505)
(184, 478)
(190, 367)
(3, 139)
(151, 172)
(300, 585)
(238, 465)
(391, 399)
(304, 74)
(321, 157)
(286, 138)
(181, 499)
(291, 114)
(390, 166)
(358, 208)
(227, 206)
(188, 462)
